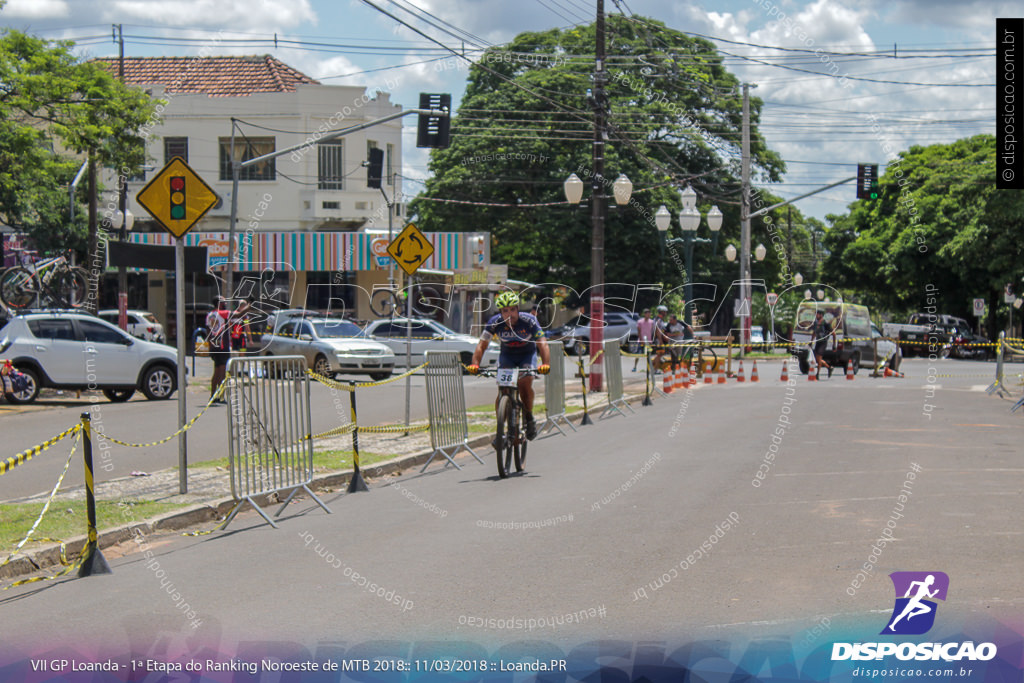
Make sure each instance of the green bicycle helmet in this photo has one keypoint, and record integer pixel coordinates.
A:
(506, 299)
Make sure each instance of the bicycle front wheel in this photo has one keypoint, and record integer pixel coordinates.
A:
(18, 287)
(506, 442)
(520, 441)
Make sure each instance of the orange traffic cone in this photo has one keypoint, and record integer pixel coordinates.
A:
(693, 373)
(812, 374)
(686, 377)
(753, 372)
(677, 379)
(785, 371)
(849, 369)
(721, 374)
(709, 377)
(666, 382)
(739, 374)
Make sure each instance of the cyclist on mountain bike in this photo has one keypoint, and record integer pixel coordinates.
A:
(521, 339)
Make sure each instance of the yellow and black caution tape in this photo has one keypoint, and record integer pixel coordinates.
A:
(217, 394)
(222, 524)
(15, 460)
(337, 431)
(42, 513)
(347, 386)
(392, 429)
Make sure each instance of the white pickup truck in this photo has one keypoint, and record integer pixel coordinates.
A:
(923, 334)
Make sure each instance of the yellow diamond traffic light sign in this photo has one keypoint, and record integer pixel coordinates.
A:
(410, 249)
(177, 197)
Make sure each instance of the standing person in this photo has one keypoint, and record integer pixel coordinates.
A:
(645, 331)
(820, 331)
(219, 323)
(660, 339)
(675, 331)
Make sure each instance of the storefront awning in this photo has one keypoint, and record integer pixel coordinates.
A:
(311, 251)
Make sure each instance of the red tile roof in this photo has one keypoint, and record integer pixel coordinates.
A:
(213, 76)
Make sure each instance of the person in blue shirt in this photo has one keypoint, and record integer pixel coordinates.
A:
(522, 339)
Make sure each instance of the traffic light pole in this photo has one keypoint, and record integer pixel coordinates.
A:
(237, 166)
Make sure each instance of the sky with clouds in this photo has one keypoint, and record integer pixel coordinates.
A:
(934, 84)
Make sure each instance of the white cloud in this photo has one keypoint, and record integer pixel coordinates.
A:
(237, 14)
(36, 9)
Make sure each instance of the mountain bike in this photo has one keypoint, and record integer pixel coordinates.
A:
(48, 282)
(510, 441)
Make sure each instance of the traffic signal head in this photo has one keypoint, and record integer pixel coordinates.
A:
(177, 194)
(867, 181)
(375, 172)
(433, 131)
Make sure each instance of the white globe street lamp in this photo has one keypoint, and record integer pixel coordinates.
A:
(573, 187)
(622, 189)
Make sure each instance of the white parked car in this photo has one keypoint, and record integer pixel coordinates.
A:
(141, 324)
(74, 350)
(331, 346)
(428, 335)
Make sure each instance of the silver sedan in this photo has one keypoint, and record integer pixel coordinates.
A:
(331, 347)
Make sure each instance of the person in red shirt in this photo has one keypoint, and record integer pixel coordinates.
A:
(219, 323)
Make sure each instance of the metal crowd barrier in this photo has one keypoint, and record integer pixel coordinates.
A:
(554, 391)
(270, 445)
(446, 404)
(613, 373)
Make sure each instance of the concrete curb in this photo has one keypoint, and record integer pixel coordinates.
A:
(49, 555)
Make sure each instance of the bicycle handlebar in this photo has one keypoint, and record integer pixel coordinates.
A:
(493, 372)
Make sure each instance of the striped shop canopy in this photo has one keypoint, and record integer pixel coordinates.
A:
(309, 251)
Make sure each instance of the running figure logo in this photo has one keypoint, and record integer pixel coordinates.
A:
(914, 612)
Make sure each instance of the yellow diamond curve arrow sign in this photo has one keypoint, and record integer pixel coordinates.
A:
(177, 197)
(410, 249)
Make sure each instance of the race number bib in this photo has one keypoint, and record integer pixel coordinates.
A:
(508, 377)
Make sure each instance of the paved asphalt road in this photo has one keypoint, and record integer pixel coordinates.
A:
(142, 421)
(612, 519)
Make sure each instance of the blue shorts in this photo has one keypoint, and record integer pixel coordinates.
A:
(526, 360)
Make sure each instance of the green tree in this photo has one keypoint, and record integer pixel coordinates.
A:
(55, 111)
(940, 225)
(675, 118)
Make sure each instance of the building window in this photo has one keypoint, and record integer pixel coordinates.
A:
(370, 144)
(331, 165)
(246, 149)
(175, 147)
(390, 170)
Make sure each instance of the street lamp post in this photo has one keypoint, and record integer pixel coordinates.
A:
(759, 253)
(622, 189)
(689, 221)
(123, 220)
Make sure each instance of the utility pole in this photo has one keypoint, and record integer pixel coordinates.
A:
(745, 226)
(598, 211)
(122, 270)
(95, 272)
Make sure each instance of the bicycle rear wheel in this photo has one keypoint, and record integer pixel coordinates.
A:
(18, 287)
(506, 442)
(72, 287)
(707, 353)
